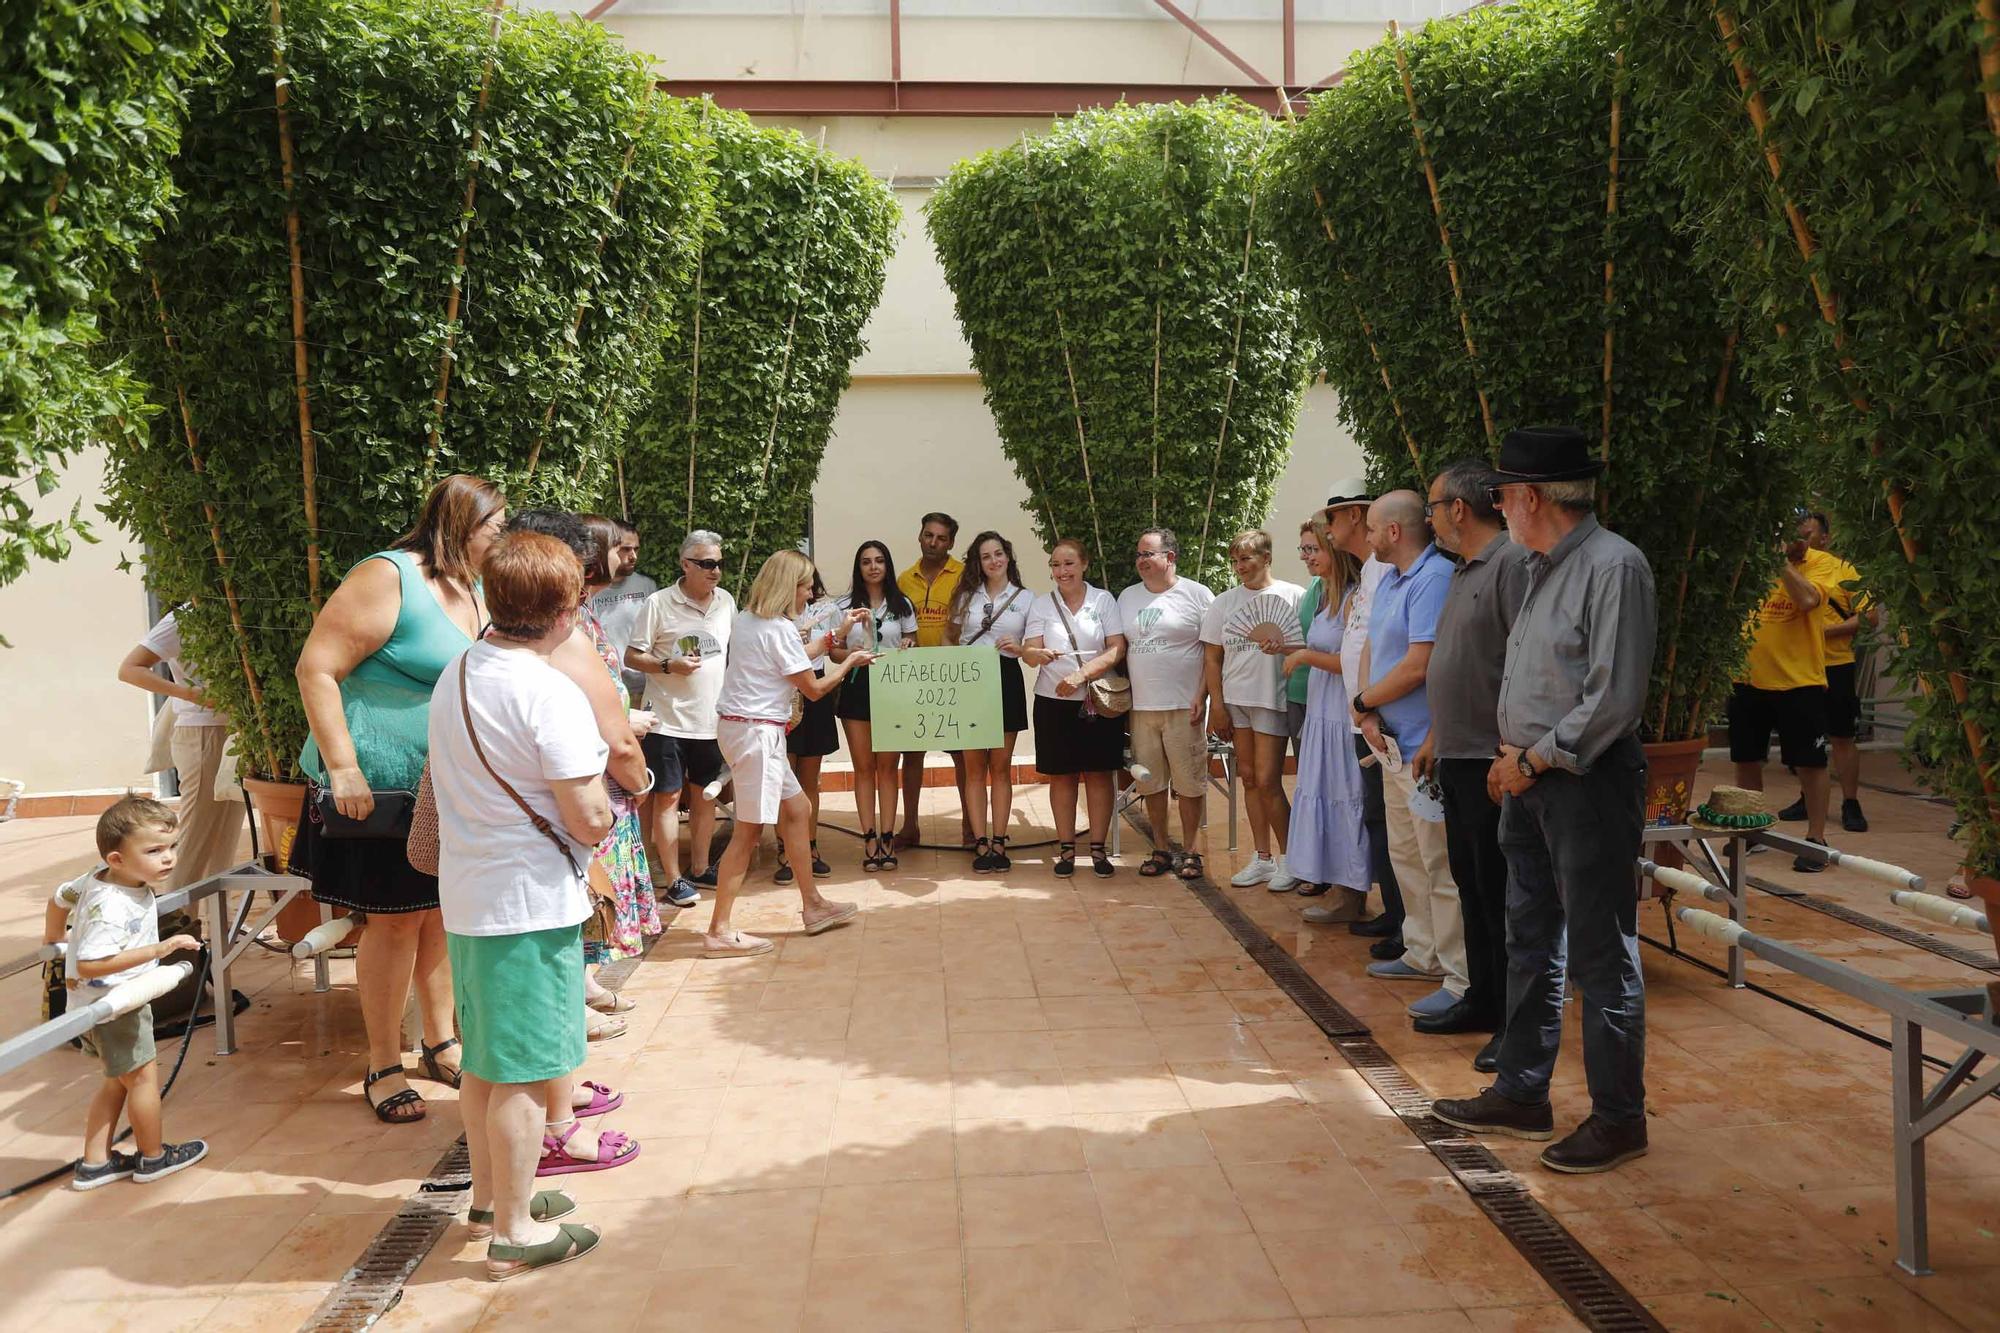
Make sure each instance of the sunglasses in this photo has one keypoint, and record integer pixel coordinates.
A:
(710, 565)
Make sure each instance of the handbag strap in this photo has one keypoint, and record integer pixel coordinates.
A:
(1075, 643)
(992, 618)
(542, 825)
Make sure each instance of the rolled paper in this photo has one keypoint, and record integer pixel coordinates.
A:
(1718, 928)
(1942, 910)
(325, 935)
(1882, 870)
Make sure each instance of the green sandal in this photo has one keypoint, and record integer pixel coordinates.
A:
(546, 1206)
(572, 1240)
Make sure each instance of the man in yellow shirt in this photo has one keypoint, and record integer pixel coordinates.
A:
(1784, 688)
(1840, 618)
(929, 584)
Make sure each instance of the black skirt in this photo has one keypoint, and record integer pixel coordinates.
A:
(853, 705)
(1069, 741)
(372, 875)
(818, 731)
(1013, 697)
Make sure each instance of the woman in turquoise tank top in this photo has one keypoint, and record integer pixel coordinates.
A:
(365, 676)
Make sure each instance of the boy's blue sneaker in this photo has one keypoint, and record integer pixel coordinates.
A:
(173, 1157)
(682, 894)
(119, 1166)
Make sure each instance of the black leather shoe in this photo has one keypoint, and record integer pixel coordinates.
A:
(1488, 1059)
(1490, 1113)
(1375, 927)
(1387, 949)
(1461, 1017)
(1596, 1145)
(1795, 813)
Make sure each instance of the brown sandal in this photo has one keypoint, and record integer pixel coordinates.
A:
(1156, 865)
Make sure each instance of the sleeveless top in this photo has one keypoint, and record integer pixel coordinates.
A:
(387, 697)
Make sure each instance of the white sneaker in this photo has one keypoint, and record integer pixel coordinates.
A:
(1284, 881)
(1258, 870)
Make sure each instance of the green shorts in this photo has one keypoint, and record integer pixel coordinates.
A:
(520, 1003)
(125, 1043)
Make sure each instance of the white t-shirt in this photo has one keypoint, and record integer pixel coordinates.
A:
(763, 651)
(105, 920)
(1355, 633)
(666, 623)
(1095, 623)
(1163, 642)
(1251, 677)
(497, 873)
(1011, 623)
(887, 633)
(164, 642)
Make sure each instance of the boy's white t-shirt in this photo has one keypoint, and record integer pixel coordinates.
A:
(164, 642)
(1096, 621)
(497, 873)
(1251, 677)
(1163, 653)
(886, 634)
(1011, 623)
(105, 920)
(763, 652)
(1354, 634)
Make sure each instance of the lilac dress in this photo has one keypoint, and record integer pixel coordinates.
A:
(1328, 842)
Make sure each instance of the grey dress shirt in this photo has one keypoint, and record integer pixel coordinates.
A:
(1464, 678)
(1581, 652)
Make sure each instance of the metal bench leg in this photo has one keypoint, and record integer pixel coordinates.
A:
(1913, 1246)
(221, 941)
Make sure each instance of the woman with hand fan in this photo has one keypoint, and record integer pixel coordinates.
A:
(1249, 680)
(1075, 637)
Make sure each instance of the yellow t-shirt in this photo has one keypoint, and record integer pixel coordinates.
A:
(1789, 652)
(932, 599)
(1845, 600)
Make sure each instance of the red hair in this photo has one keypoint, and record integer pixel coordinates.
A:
(531, 579)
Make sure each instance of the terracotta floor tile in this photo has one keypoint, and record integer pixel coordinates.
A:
(1044, 1288)
(1306, 1195)
(1193, 1278)
(1269, 1133)
(1719, 1309)
(1214, 1083)
(256, 1312)
(1124, 1088)
(1091, 1011)
(1547, 1318)
(1085, 1048)
(887, 1218)
(1168, 1201)
(987, 1052)
(1478, 1265)
(766, 1161)
(996, 1016)
(176, 1314)
(886, 1293)
(725, 1230)
(1030, 1210)
(1419, 1321)
(878, 1153)
(1758, 1238)
(1853, 1305)
(1136, 1140)
(1178, 1010)
(1007, 1093)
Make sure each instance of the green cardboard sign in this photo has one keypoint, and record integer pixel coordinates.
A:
(936, 699)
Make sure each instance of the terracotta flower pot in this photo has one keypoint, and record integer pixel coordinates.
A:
(1670, 772)
(279, 807)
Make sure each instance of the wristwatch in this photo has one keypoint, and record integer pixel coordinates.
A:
(1360, 707)
(1526, 765)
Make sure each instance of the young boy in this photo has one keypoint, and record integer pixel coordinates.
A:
(114, 936)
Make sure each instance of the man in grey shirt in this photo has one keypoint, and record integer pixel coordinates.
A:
(1573, 778)
(618, 606)
(1487, 589)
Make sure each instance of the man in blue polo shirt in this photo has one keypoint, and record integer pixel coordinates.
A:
(1393, 705)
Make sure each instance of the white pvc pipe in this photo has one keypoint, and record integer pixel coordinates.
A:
(326, 935)
(1682, 881)
(129, 995)
(1718, 928)
(1942, 910)
(1882, 870)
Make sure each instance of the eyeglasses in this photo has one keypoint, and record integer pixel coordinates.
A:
(1306, 549)
(710, 565)
(1497, 494)
(1148, 555)
(1429, 505)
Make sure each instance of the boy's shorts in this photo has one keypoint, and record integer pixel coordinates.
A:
(125, 1043)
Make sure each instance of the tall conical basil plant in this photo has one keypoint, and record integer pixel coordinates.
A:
(1141, 352)
(1844, 160)
(91, 102)
(414, 239)
(739, 414)
(1448, 210)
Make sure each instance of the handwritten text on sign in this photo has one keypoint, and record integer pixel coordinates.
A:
(936, 699)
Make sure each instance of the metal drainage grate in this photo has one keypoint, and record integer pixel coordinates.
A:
(1597, 1298)
(372, 1287)
(1916, 939)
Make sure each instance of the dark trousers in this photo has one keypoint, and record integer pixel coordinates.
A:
(1472, 845)
(1570, 842)
(1375, 818)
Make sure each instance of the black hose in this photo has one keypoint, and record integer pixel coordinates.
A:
(201, 974)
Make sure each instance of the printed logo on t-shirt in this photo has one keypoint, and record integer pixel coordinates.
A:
(698, 641)
(1148, 618)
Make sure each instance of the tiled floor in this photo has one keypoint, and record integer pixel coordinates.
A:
(1028, 1105)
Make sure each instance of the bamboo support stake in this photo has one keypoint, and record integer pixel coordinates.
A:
(1760, 121)
(215, 539)
(1989, 65)
(1694, 527)
(301, 375)
(1166, 166)
(465, 215)
(694, 371)
(1610, 263)
(1444, 231)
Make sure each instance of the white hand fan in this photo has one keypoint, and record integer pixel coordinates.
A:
(1266, 619)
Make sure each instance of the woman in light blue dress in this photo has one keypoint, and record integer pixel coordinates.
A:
(1328, 843)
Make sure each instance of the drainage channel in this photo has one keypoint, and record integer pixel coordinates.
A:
(1598, 1300)
(1916, 939)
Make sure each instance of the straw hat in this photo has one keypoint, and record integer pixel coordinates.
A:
(1731, 810)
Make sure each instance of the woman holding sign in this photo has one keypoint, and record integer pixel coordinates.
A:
(1075, 637)
(767, 665)
(886, 623)
(991, 607)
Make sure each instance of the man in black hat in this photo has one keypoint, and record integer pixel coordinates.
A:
(1571, 779)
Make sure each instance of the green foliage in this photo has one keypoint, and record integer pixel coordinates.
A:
(589, 192)
(739, 414)
(1515, 105)
(1876, 116)
(1128, 246)
(91, 102)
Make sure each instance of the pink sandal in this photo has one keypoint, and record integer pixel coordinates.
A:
(603, 1101)
(613, 1149)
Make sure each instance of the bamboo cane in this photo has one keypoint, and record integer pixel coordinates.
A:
(624, 505)
(301, 376)
(215, 539)
(1444, 231)
(694, 370)
(1989, 65)
(1166, 166)
(1694, 528)
(1697, 718)
(1754, 105)
(1610, 331)
(465, 216)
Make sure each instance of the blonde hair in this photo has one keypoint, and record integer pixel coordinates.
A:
(778, 579)
(1343, 571)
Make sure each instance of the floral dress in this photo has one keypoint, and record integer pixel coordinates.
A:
(622, 854)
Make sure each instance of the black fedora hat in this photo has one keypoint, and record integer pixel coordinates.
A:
(1544, 453)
